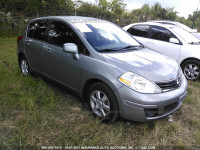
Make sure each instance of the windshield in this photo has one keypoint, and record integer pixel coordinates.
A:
(197, 34)
(185, 27)
(104, 35)
(186, 36)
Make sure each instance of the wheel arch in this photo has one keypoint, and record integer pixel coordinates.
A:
(90, 82)
(191, 58)
(20, 55)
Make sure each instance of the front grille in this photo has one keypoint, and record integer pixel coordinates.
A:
(170, 107)
(171, 85)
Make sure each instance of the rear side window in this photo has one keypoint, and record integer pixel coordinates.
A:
(139, 30)
(60, 33)
(37, 30)
(160, 33)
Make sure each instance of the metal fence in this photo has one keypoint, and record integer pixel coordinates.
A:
(13, 23)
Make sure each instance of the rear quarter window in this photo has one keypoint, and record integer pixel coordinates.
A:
(37, 30)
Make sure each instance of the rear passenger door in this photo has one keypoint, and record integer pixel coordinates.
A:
(159, 41)
(59, 65)
(140, 32)
(34, 42)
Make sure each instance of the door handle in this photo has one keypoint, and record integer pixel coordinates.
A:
(49, 50)
(27, 41)
(151, 42)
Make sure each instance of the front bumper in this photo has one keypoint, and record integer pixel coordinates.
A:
(140, 107)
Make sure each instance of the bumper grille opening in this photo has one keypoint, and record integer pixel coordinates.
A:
(170, 107)
(151, 112)
(171, 85)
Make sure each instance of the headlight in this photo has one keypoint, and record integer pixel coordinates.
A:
(138, 83)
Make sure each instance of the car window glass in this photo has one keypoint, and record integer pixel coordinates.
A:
(105, 36)
(139, 30)
(31, 29)
(60, 33)
(37, 30)
(160, 33)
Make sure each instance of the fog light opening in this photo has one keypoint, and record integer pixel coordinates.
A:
(151, 112)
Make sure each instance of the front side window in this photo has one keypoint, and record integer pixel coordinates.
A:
(37, 30)
(60, 33)
(160, 33)
(104, 35)
(139, 30)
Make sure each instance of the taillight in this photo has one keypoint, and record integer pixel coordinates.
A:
(19, 38)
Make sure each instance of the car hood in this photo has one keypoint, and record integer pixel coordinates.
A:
(147, 63)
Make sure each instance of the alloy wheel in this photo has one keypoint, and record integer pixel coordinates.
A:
(191, 71)
(24, 67)
(100, 103)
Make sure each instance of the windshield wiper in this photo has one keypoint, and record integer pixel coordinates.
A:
(194, 42)
(131, 46)
(107, 50)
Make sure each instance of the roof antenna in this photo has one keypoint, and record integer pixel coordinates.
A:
(195, 16)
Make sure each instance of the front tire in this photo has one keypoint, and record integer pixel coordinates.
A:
(191, 69)
(102, 102)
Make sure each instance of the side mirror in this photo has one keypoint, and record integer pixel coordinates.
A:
(71, 48)
(174, 40)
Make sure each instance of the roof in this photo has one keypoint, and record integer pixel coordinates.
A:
(150, 23)
(170, 21)
(73, 19)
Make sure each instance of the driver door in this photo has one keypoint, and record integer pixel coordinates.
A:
(159, 41)
(60, 65)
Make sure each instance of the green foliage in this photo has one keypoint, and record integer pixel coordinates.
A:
(155, 12)
(35, 8)
(197, 20)
(117, 7)
(10, 25)
(104, 5)
(103, 9)
(14, 14)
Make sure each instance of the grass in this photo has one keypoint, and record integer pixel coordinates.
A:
(37, 113)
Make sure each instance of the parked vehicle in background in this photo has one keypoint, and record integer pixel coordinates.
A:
(178, 24)
(104, 65)
(172, 41)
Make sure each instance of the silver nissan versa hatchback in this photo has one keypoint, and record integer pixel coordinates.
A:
(104, 65)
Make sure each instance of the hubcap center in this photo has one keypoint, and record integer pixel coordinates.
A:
(99, 103)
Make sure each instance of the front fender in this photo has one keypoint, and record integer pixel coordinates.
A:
(96, 69)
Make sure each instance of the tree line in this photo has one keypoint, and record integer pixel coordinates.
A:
(12, 12)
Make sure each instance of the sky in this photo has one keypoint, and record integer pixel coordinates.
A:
(183, 7)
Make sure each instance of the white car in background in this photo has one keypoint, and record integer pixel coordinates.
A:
(178, 24)
(172, 41)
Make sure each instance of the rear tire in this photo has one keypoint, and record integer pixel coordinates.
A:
(102, 102)
(24, 66)
(191, 69)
